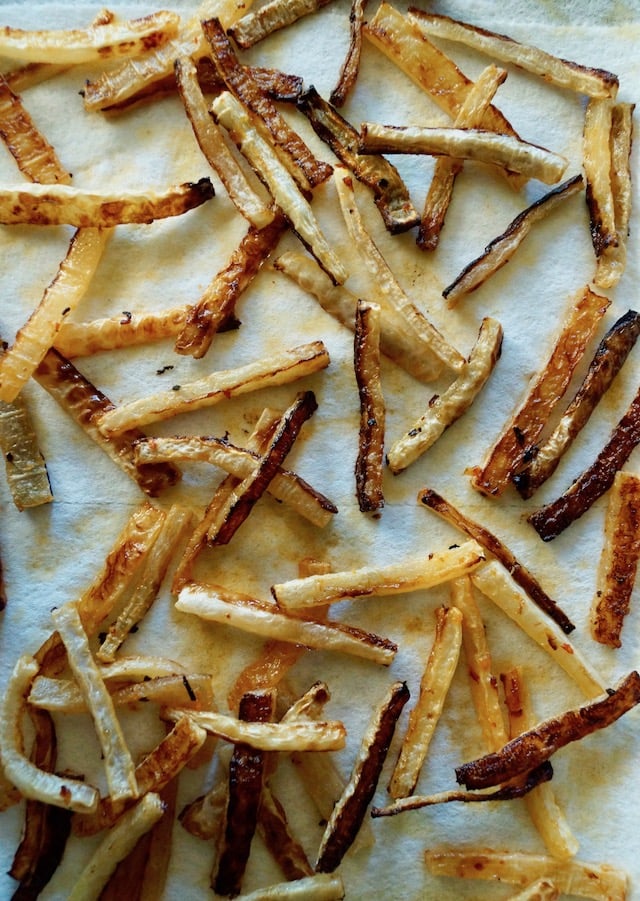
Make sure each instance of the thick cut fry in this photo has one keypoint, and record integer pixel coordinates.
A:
(597, 168)
(319, 887)
(369, 461)
(541, 460)
(119, 767)
(83, 339)
(423, 719)
(351, 64)
(618, 561)
(350, 810)
(446, 408)
(505, 151)
(560, 72)
(63, 295)
(84, 403)
(612, 261)
(25, 466)
(551, 520)
(29, 779)
(272, 16)
(259, 618)
(412, 574)
(495, 583)
(500, 251)
(279, 369)
(63, 205)
(598, 881)
(545, 391)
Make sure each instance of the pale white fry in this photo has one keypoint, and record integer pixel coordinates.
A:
(272, 16)
(83, 339)
(597, 170)
(319, 887)
(26, 470)
(540, 890)
(612, 261)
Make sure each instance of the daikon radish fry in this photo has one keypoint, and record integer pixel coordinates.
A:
(30, 780)
(308, 706)
(34, 155)
(298, 160)
(390, 193)
(279, 369)
(598, 881)
(540, 890)
(389, 293)
(482, 682)
(369, 461)
(552, 519)
(400, 339)
(239, 462)
(446, 169)
(541, 803)
(505, 151)
(25, 467)
(83, 339)
(85, 403)
(217, 305)
(612, 261)
(545, 391)
(597, 168)
(246, 778)
(158, 768)
(500, 251)
(500, 587)
(174, 528)
(541, 460)
(446, 408)
(274, 829)
(63, 295)
(496, 548)
(211, 141)
(319, 887)
(220, 605)
(265, 162)
(619, 560)
(560, 72)
(272, 16)
(423, 719)
(61, 204)
(204, 816)
(119, 767)
(351, 63)
(350, 810)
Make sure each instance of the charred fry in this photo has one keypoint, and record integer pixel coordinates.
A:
(369, 489)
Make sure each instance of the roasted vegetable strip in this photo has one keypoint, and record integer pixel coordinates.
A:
(542, 459)
(27, 475)
(274, 829)
(85, 404)
(369, 490)
(597, 168)
(560, 72)
(83, 339)
(545, 391)
(496, 548)
(280, 369)
(351, 64)
(552, 519)
(434, 687)
(319, 887)
(444, 409)
(351, 808)
(500, 251)
(612, 261)
(272, 16)
(533, 747)
(619, 560)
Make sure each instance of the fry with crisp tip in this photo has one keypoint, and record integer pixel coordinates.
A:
(26, 470)
(597, 168)
(272, 16)
(274, 829)
(351, 63)
(83, 339)
(369, 490)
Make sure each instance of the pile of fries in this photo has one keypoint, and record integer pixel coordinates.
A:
(282, 281)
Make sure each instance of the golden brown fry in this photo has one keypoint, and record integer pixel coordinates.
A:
(446, 408)
(545, 391)
(83, 339)
(351, 64)
(423, 719)
(27, 475)
(369, 462)
(597, 169)
(618, 561)
(272, 16)
(274, 829)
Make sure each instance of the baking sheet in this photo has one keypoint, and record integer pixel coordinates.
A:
(51, 554)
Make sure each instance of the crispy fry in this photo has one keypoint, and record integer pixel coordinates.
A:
(618, 561)
(351, 64)
(369, 460)
(272, 16)
(423, 719)
(274, 829)
(545, 391)
(597, 168)
(498, 585)
(319, 887)
(542, 459)
(25, 466)
(500, 251)
(445, 409)
(83, 339)
(279, 369)
(350, 810)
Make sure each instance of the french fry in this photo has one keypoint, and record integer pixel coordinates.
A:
(597, 167)
(369, 461)
(83, 339)
(279, 369)
(27, 475)
(612, 261)
(423, 719)
(271, 17)
(618, 561)
(274, 829)
(500, 587)
(319, 887)
(351, 64)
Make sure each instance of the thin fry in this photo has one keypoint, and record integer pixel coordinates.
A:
(83, 339)
(597, 168)
(369, 489)
(271, 17)
(26, 470)
(351, 64)
(612, 261)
